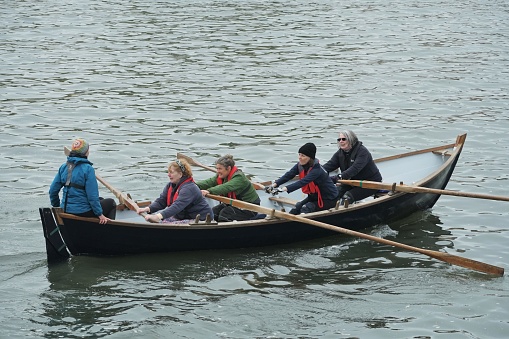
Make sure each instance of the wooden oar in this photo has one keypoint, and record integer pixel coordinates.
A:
(122, 197)
(192, 162)
(449, 258)
(418, 189)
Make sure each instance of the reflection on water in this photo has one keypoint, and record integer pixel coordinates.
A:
(102, 296)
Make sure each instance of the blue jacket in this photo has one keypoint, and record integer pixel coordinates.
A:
(189, 203)
(79, 200)
(317, 175)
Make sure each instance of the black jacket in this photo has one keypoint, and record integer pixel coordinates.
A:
(356, 164)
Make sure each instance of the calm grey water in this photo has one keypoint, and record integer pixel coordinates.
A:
(142, 80)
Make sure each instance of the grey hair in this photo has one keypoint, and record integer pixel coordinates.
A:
(350, 136)
(226, 161)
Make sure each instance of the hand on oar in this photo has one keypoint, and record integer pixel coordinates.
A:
(417, 189)
(449, 258)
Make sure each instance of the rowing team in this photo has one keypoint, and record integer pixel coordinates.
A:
(183, 199)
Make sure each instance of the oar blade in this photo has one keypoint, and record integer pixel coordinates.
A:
(193, 162)
(467, 263)
(449, 258)
(189, 160)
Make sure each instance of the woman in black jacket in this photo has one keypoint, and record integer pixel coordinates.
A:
(355, 162)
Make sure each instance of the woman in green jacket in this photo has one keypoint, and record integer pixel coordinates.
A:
(231, 182)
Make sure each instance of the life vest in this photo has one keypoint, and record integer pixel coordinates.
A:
(70, 167)
(220, 181)
(173, 196)
(310, 188)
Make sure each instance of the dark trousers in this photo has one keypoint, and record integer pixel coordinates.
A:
(358, 193)
(310, 204)
(223, 212)
(109, 207)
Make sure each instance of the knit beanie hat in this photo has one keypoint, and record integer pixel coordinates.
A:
(308, 149)
(80, 146)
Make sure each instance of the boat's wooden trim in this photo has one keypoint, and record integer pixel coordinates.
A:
(427, 150)
(288, 201)
(60, 216)
(460, 141)
(457, 148)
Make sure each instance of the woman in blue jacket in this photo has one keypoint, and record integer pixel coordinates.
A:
(80, 190)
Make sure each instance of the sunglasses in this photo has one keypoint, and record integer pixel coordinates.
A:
(341, 139)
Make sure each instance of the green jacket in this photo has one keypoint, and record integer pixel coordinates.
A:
(239, 184)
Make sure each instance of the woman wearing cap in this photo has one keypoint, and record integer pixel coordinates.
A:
(314, 181)
(230, 181)
(355, 162)
(180, 201)
(80, 190)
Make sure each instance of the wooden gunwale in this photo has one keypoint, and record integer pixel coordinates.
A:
(458, 147)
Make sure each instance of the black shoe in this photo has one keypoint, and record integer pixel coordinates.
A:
(347, 197)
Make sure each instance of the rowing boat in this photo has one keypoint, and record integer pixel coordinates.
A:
(67, 234)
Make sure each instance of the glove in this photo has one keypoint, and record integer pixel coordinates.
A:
(269, 189)
(335, 178)
(277, 190)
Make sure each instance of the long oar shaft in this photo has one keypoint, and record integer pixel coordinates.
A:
(122, 197)
(418, 189)
(449, 258)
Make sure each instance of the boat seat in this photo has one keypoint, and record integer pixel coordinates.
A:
(285, 201)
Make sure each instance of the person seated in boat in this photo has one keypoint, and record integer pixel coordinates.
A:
(354, 162)
(230, 181)
(314, 181)
(80, 190)
(181, 199)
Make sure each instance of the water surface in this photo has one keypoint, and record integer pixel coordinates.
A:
(146, 79)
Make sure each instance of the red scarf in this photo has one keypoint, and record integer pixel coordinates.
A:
(220, 181)
(172, 197)
(311, 187)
